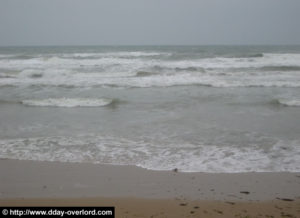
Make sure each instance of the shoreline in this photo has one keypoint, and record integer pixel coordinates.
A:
(145, 192)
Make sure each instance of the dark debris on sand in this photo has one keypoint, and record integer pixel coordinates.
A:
(245, 192)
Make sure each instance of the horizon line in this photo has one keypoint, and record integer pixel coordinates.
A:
(138, 45)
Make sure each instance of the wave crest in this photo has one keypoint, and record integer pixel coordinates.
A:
(289, 102)
(69, 102)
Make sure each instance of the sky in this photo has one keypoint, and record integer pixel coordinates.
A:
(149, 22)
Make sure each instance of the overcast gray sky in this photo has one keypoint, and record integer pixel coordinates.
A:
(149, 22)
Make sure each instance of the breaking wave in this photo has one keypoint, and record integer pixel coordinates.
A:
(151, 69)
(287, 102)
(279, 156)
(69, 102)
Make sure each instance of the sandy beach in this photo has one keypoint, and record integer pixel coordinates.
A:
(150, 109)
(137, 192)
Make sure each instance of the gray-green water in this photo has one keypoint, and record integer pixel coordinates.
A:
(196, 108)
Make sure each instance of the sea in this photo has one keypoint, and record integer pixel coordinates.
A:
(214, 109)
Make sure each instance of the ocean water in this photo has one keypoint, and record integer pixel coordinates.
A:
(195, 108)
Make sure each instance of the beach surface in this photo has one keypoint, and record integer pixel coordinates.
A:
(137, 192)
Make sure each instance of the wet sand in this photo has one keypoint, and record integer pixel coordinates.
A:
(137, 192)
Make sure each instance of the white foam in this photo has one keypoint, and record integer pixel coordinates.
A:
(65, 78)
(6, 55)
(68, 102)
(289, 102)
(132, 58)
(274, 157)
(119, 69)
(114, 54)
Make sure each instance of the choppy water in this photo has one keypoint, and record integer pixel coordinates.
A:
(196, 108)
